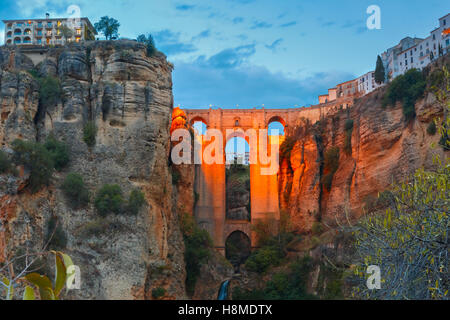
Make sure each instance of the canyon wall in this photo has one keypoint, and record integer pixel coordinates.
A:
(384, 148)
(129, 98)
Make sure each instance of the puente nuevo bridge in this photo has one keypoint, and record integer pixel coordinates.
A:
(210, 211)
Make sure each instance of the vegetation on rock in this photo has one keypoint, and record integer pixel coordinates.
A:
(75, 190)
(331, 164)
(406, 88)
(109, 199)
(90, 133)
(198, 244)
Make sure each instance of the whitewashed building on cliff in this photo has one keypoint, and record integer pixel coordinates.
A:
(417, 53)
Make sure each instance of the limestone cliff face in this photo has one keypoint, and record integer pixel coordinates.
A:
(384, 148)
(129, 97)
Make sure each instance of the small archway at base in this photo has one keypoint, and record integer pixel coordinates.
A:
(237, 248)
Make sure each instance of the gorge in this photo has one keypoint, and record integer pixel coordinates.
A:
(127, 96)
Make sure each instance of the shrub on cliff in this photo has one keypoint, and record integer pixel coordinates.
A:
(432, 129)
(108, 200)
(263, 258)
(5, 162)
(90, 133)
(75, 190)
(348, 136)
(331, 164)
(198, 244)
(149, 42)
(37, 159)
(406, 88)
(49, 90)
(59, 152)
(135, 202)
(286, 285)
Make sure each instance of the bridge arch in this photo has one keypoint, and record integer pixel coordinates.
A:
(237, 247)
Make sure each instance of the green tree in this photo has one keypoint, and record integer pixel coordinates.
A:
(37, 159)
(198, 246)
(136, 201)
(109, 199)
(109, 27)
(149, 42)
(90, 133)
(380, 74)
(5, 162)
(75, 190)
(59, 152)
(49, 90)
(410, 242)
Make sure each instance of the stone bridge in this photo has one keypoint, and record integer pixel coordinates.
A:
(210, 185)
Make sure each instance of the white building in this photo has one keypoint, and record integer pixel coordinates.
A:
(417, 53)
(366, 83)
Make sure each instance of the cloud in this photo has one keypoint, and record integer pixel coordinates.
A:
(238, 20)
(261, 25)
(289, 24)
(184, 7)
(228, 58)
(274, 46)
(227, 79)
(202, 35)
(169, 43)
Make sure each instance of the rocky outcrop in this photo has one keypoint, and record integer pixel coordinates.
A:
(384, 148)
(129, 98)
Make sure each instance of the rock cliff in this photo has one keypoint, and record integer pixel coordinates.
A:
(129, 98)
(384, 148)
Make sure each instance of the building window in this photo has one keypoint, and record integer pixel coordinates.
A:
(434, 37)
(445, 22)
(406, 62)
(412, 60)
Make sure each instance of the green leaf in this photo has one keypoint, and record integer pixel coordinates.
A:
(47, 294)
(61, 274)
(28, 294)
(38, 280)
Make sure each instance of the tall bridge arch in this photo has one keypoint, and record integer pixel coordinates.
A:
(210, 185)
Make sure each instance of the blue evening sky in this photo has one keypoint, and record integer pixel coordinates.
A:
(253, 53)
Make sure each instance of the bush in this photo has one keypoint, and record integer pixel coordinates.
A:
(149, 42)
(5, 162)
(49, 90)
(410, 240)
(406, 88)
(198, 244)
(75, 190)
(158, 293)
(90, 133)
(263, 258)
(432, 129)
(136, 201)
(56, 237)
(331, 164)
(36, 158)
(317, 228)
(348, 136)
(287, 285)
(59, 152)
(109, 200)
